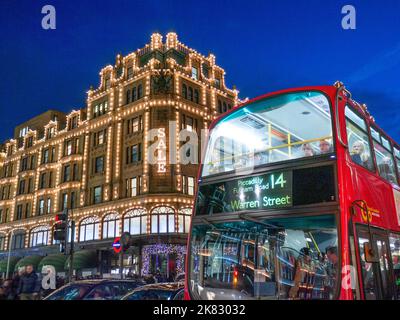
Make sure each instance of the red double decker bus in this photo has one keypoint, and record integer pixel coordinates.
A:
(298, 198)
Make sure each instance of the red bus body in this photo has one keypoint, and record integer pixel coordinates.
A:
(354, 183)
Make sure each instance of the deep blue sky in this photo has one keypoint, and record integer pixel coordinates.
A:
(262, 45)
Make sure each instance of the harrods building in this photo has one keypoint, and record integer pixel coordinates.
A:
(95, 161)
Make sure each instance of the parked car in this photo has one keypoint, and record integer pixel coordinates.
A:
(157, 291)
(97, 289)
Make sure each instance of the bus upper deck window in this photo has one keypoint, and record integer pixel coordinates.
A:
(358, 140)
(384, 157)
(285, 127)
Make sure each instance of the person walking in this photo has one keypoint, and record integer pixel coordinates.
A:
(29, 286)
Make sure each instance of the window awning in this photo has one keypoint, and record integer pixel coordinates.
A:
(13, 262)
(85, 259)
(55, 260)
(33, 260)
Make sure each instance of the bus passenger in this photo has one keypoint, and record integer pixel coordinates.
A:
(307, 150)
(325, 147)
(358, 154)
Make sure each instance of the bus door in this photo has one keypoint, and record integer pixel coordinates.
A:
(374, 263)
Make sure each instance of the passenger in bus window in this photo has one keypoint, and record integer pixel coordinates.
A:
(358, 154)
(385, 170)
(307, 150)
(325, 147)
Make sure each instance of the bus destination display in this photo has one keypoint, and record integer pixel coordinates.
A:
(268, 191)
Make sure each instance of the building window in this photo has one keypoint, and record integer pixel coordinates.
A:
(190, 94)
(184, 216)
(195, 73)
(29, 142)
(97, 194)
(190, 186)
(217, 83)
(133, 153)
(131, 187)
(134, 125)
(110, 226)
(99, 137)
(184, 91)
(107, 83)
(89, 229)
(21, 187)
(2, 242)
(45, 156)
(130, 72)
(73, 198)
(196, 96)
(139, 91)
(23, 132)
(64, 201)
(135, 222)
(39, 236)
(73, 122)
(128, 96)
(100, 108)
(163, 220)
(67, 173)
(18, 240)
(134, 94)
(75, 174)
(48, 207)
(188, 123)
(41, 207)
(24, 164)
(68, 148)
(99, 165)
(50, 179)
(42, 180)
(1, 216)
(19, 212)
(50, 132)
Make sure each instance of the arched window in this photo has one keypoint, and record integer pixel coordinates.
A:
(139, 91)
(89, 229)
(128, 96)
(110, 226)
(190, 94)
(39, 236)
(163, 220)
(2, 242)
(135, 221)
(184, 216)
(18, 240)
(184, 91)
(196, 95)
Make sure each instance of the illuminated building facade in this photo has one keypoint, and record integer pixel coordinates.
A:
(95, 161)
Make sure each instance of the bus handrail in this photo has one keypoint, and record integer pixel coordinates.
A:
(273, 148)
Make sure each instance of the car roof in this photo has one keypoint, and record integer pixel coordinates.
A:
(166, 286)
(99, 281)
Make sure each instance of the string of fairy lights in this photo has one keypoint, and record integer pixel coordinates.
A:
(111, 89)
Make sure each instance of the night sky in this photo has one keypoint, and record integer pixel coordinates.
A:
(262, 45)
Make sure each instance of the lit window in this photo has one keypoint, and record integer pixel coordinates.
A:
(135, 221)
(97, 191)
(89, 229)
(39, 236)
(195, 73)
(163, 220)
(190, 186)
(110, 226)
